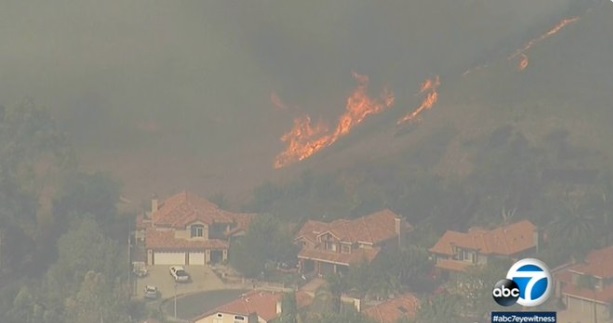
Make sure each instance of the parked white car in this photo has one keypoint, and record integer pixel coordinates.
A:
(179, 274)
(151, 292)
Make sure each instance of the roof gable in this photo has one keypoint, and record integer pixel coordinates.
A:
(598, 263)
(371, 229)
(261, 303)
(505, 241)
(185, 208)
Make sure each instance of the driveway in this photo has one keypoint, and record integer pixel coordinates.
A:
(202, 279)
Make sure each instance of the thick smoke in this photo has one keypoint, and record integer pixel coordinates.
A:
(198, 70)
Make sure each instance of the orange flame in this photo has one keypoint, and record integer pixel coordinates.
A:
(544, 36)
(429, 86)
(523, 63)
(305, 140)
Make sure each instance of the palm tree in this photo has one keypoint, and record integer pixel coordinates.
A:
(576, 225)
(508, 215)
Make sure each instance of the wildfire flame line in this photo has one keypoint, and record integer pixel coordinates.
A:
(430, 86)
(306, 139)
(521, 52)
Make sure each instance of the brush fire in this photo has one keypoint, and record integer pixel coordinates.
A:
(306, 139)
(430, 89)
(521, 53)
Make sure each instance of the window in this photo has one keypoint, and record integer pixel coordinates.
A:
(468, 256)
(331, 246)
(345, 248)
(239, 319)
(197, 231)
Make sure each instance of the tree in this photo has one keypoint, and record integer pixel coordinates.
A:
(289, 308)
(476, 285)
(97, 300)
(574, 228)
(337, 285)
(96, 194)
(351, 315)
(84, 248)
(35, 159)
(265, 241)
(391, 272)
(440, 309)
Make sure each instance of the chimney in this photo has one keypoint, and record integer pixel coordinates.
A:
(279, 308)
(357, 303)
(154, 203)
(538, 239)
(399, 230)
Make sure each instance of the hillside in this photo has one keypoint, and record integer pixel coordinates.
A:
(565, 86)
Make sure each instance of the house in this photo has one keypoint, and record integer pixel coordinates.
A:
(252, 307)
(455, 252)
(333, 247)
(187, 229)
(587, 287)
(393, 310)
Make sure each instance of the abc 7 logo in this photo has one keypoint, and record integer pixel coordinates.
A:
(528, 283)
(506, 292)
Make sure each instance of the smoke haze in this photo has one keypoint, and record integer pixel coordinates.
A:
(198, 75)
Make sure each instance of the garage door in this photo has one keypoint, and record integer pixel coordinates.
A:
(169, 258)
(196, 258)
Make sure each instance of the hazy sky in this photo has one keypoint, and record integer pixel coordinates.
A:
(201, 67)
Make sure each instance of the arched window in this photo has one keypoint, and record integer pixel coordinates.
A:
(197, 230)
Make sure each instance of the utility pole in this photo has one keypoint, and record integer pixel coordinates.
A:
(175, 300)
(130, 260)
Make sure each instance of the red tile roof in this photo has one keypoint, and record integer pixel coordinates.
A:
(184, 208)
(311, 229)
(570, 289)
(598, 263)
(262, 303)
(356, 256)
(393, 310)
(504, 241)
(600, 296)
(165, 240)
(373, 228)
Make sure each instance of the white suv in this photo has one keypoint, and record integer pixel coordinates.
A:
(179, 274)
